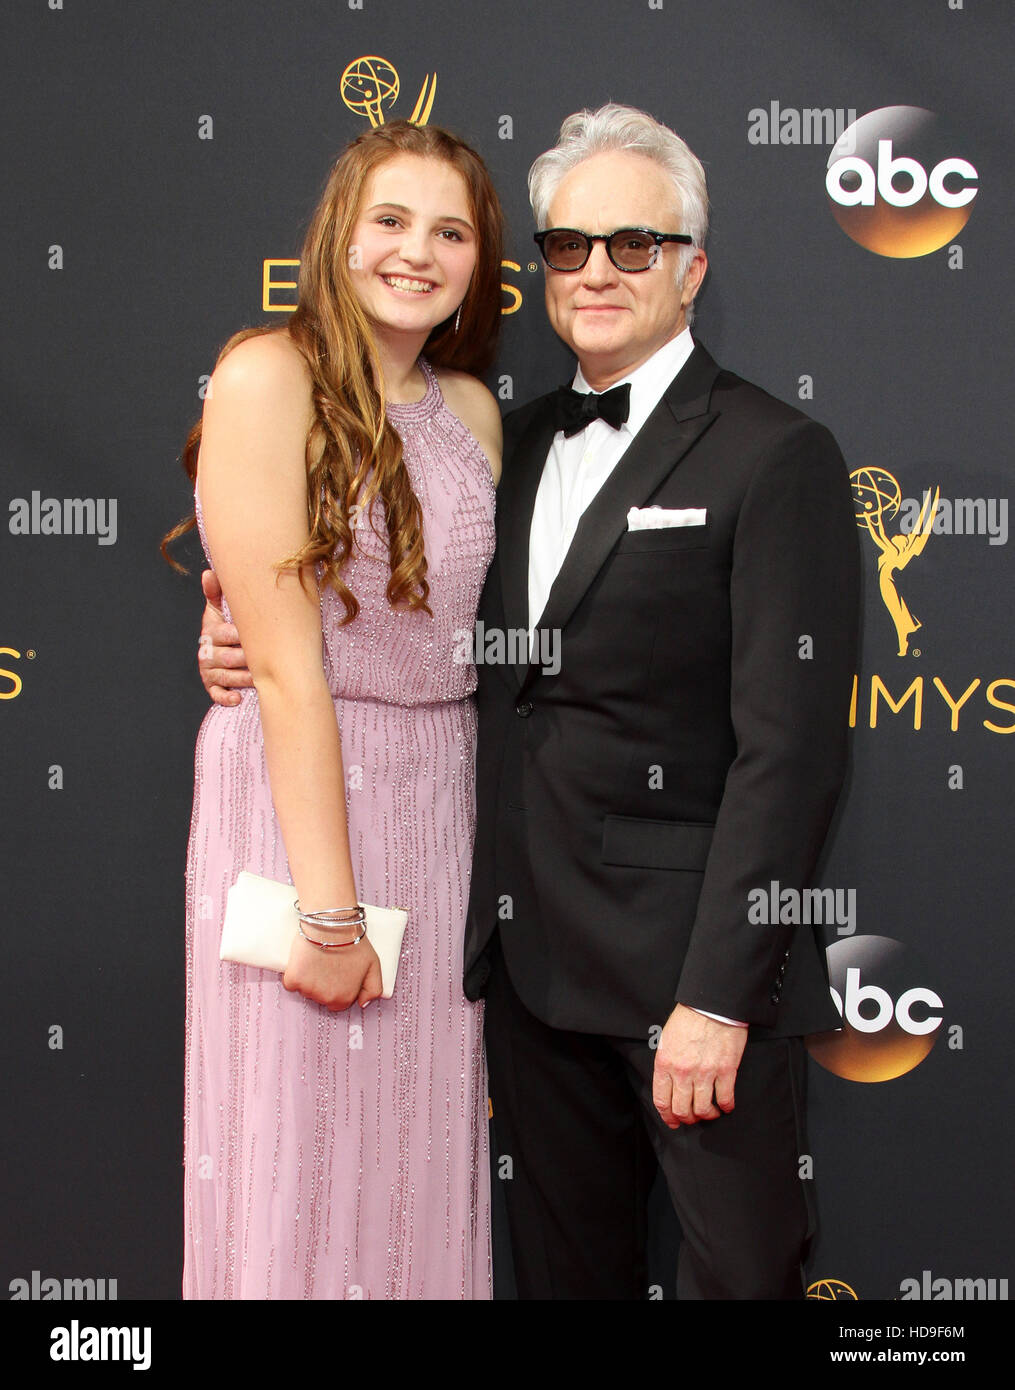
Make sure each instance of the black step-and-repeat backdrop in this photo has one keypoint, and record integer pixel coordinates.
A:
(161, 161)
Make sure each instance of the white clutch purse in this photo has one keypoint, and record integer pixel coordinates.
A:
(261, 925)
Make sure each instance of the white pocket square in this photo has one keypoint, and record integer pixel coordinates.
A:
(649, 518)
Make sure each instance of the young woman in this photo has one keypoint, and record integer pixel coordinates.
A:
(344, 473)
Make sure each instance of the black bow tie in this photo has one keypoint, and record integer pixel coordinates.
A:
(576, 409)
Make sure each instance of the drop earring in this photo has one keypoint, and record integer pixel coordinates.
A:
(458, 318)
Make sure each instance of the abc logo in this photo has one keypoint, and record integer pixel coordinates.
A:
(889, 1023)
(896, 183)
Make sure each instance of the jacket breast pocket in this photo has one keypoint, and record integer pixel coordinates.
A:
(656, 844)
(656, 538)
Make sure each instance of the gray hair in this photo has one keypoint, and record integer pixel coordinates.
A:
(625, 129)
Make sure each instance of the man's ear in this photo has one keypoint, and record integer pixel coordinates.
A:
(694, 276)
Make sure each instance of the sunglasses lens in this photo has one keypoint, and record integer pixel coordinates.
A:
(633, 250)
(565, 250)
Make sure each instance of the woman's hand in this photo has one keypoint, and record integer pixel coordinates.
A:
(336, 979)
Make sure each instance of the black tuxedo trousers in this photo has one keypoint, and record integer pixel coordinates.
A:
(573, 1114)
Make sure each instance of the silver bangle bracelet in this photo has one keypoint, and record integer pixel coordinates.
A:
(330, 945)
(308, 919)
(330, 911)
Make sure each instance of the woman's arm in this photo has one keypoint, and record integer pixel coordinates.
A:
(252, 482)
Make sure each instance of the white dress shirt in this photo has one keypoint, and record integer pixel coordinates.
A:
(577, 468)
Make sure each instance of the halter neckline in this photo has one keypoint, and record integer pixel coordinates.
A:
(427, 403)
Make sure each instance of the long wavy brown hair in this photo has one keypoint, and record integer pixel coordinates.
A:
(352, 453)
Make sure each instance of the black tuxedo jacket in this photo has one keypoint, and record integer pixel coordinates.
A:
(692, 746)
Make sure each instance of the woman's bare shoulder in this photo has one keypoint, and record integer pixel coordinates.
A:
(266, 362)
(258, 410)
(477, 409)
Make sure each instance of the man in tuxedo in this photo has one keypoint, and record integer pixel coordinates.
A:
(687, 545)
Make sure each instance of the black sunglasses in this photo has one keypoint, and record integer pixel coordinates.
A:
(630, 249)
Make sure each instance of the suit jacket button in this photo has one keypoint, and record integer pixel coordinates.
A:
(774, 996)
(524, 709)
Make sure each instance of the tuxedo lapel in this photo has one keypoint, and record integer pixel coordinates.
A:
(678, 421)
(516, 498)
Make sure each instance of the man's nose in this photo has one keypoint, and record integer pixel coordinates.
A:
(598, 270)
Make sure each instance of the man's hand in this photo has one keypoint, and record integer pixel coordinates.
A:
(697, 1058)
(220, 660)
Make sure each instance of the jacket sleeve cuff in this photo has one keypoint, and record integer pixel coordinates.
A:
(736, 1022)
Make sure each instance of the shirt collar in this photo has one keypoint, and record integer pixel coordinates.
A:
(650, 380)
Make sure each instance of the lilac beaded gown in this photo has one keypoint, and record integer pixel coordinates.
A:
(344, 1155)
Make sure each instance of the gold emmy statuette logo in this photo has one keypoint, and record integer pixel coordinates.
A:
(878, 498)
(831, 1289)
(370, 84)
